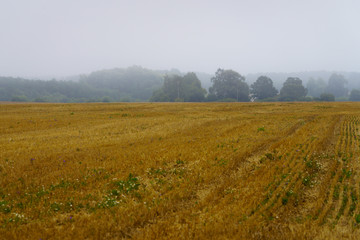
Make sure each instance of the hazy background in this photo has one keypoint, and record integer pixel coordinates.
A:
(42, 38)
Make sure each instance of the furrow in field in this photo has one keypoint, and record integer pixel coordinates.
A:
(332, 195)
(344, 180)
(349, 200)
(290, 181)
(283, 173)
(345, 175)
(289, 184)
(286, 179)
(340, 201)
(300, 178)
(355, 191)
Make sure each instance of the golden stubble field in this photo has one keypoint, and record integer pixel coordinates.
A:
(180, 171)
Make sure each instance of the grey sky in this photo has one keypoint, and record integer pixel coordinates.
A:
(66, 37)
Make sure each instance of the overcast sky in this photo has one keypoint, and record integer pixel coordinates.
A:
(67, 37)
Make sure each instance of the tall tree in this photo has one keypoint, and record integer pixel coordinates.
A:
(336, 85)
(173, 86)
(229, 84)
(180, 88)
(135, 83)
(327, 97)
(193, 92)
(292, 90)
(263, 88)
(355, 95)
(316, 87)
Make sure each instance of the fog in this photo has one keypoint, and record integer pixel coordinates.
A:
(66, 37)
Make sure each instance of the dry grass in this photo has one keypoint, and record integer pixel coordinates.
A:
(179, 171)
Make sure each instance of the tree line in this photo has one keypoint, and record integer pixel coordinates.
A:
(132, 84)
(230, 86)
(139, 84)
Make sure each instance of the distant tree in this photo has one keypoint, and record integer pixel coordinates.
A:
(39, 100)
(125, 99)
(355, 95)
(327, 97)
(20, 98)
(133, 83)
(263, 88)
(292, 90)
(180, 89)
(229, 84)
(173, 86)
(316, 87)
(50, 91)
(159, 96)
(106, 99)
(211, 98)
(192, 90)
(336, 85)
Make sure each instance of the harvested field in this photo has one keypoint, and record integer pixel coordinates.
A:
(180, 171)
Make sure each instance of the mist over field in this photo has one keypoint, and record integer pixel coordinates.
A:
(45, 39)
(141, 51)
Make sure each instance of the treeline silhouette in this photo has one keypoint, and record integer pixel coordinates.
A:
(137, 84)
